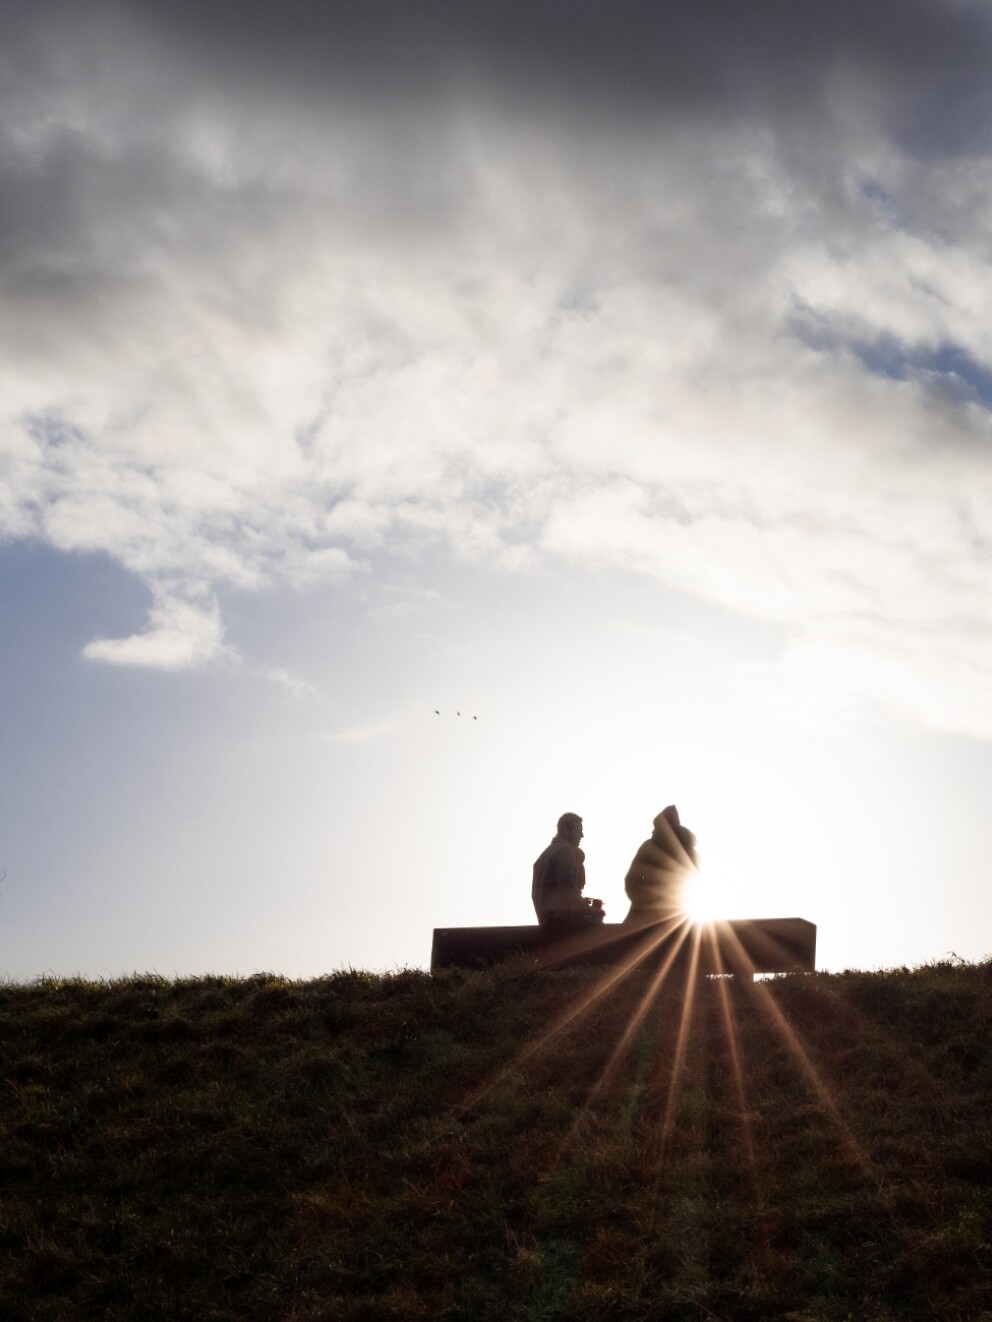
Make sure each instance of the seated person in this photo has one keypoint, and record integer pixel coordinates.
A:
(656, 878)
(559, 879)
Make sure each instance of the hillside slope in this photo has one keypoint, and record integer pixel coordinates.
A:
(510, 1144)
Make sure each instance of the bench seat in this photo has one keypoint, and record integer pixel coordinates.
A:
(742, 946)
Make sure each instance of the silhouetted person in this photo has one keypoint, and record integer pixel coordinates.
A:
(560, 878)
(656, 878)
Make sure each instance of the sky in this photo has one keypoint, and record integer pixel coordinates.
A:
(418, 421)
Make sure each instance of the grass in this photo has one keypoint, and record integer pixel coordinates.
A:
(359, 1148)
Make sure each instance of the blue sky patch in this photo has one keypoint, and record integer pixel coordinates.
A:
(947, 367)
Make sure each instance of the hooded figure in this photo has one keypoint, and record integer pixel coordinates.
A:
(656, 878)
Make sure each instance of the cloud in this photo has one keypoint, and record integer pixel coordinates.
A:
(180, 635)
(360, 734)
(285, 679)
(688, 290)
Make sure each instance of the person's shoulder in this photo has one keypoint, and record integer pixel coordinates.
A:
(554, 850)
(574, 855)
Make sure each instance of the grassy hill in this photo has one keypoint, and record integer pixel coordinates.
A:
(498, 1145)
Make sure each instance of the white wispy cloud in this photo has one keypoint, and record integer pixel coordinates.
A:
(285, 679)
(359, 734)
(259, 325)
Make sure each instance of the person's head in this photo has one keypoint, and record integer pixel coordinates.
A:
(570, 827)
(669, 815)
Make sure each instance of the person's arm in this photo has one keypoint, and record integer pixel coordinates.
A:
(572, 873)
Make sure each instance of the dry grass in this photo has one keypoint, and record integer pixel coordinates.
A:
(364, 1147)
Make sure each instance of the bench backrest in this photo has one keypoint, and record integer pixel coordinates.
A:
(743, 946)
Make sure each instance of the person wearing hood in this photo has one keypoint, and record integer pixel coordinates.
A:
(656, 878)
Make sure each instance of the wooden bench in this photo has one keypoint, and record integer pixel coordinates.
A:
(741, 946)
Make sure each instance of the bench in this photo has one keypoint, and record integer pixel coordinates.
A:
(741, 946)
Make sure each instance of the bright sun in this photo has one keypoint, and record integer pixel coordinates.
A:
(703, 903)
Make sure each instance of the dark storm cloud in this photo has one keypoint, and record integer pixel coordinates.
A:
(927, 58)
(97, 95)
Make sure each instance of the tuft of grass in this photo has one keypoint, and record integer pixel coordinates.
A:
(359, 1147)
